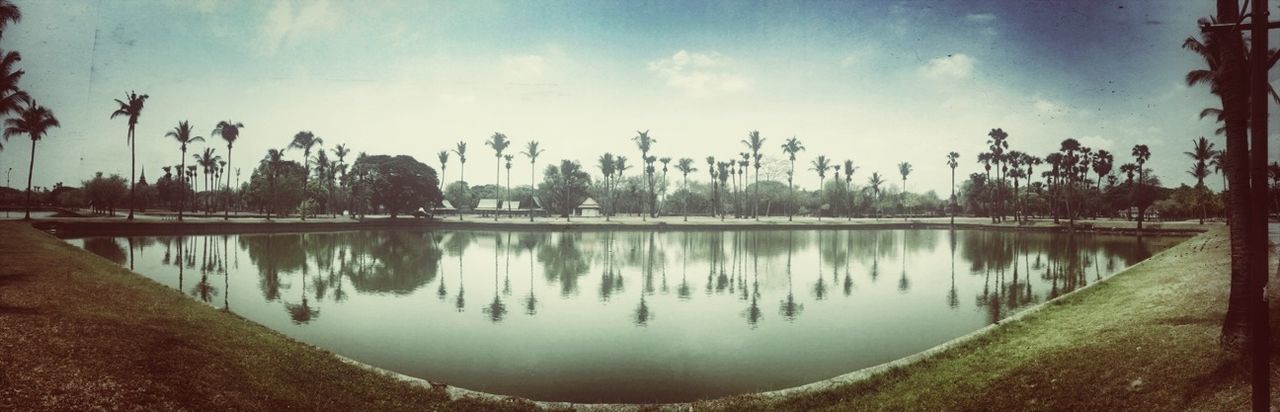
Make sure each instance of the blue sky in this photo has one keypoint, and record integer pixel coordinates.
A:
(878, 82)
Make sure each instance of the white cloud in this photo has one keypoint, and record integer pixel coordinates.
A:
(1049, 107)
(1097, 142)
(700, 74)
(286, 24)
(524, 67)
(953, 66)
(980, 18)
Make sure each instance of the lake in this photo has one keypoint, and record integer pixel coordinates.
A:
(627, 316)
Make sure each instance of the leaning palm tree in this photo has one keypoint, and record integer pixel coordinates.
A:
(460, 149)
(607, 167)
(873, 184)
(499, 143)
(754, 142)
(443, 155)
(904, 168)
(685, 166)
(645, 143)
(305, 140)
(131, 108)
(820, 165)
(532, 151)
(791, 147)
(34, 121)
(952, 162)
(849, 168)
(229, 131)
(183, 135)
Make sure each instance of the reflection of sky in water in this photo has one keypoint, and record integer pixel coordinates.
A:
(628, 316)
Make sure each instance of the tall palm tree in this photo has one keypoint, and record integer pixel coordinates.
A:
(11, 97)
(620, 167)
(820, 164)
(607, 167)
(722, 173)
(952, 162)
(1141, 154)
(34, 121)
(207, 161)
(1201, 154)
(532, 151)
(1103, 161)
(460, 149)
(873, 184)
(849, 168)
(443, 155)
(742, 180)
(305, 140)
(229, 131)
(754, 142)
(645, 143)
(341, 151)
(507, 161)
(1219, 163)
(685, 166)
(715, 186)
(272, 162)
(998, 143)
(183, 135)
(499, 143)
(665, 161)
(791, 148)
(904, 169)
(131, 108)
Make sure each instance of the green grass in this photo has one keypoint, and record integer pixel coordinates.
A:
(79, 332)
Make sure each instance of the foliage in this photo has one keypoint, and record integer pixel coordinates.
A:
(105, 193)
(565, 187)
(399, 184)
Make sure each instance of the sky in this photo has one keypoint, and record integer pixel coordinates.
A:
(877, 82)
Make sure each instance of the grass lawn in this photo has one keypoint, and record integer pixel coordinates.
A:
(79, 332)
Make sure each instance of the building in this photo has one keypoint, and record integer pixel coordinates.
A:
(588, 208)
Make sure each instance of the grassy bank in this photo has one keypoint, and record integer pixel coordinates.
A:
(1144, 340)
(78, 332)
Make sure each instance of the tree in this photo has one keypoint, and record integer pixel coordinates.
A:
(532, 151)
(229, 131)
(341, 151)
(270, 166)
(105, 193)
(131, 108)
(182, 135)
(305, 140)
(998, 143)
(499, 144)
(873, 184)
(791, 148)
(564, 188)
(904, 169)
(1140, 154)
(34, 121)
(507, 161)
(207, 162)
(460, 149)
(685, 166)
(1202, 152)
(820, 165)
(11, 97)
(645, 143)
(443, 155)
(399, 184)
(608, 166)
(665, 161)
(849, 168)
(952, 162)
(754, 143)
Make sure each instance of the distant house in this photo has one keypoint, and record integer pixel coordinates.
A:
(588, 208)
(509, 206)
(444, 207)
(487, 206)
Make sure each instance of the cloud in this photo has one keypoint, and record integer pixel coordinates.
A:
(1097, 142)
(285, 24)
(849, 60)
(1049, 107)
(524, 67)
(980, 18)
(700, 74)
(952, 66)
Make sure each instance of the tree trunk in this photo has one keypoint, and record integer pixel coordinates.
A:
(226, 211)
(133, 166)
(31, 167)
(182, 200)
(1260, 324)
(1233, 89)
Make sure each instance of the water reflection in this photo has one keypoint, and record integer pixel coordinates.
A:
(584, 306)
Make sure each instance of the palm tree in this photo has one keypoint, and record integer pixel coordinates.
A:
(1219, 163)
(665, 161)
(873, 184)
(499, 143)
(715, 186)
(1102, 164)
(11, 97)
(532, 151)
(685, 166)
(952, 162)
(229, 131)
(791, 147)
(1141, 154)
(722, 173)
(904, 169)
(742, 180)
(460, 149)
(820, 165)
(207, 161)
(34, 121)
(131, 108)
(305, 140)
(645, 143)
(443, 155)
(507, 161)
(607, 167)
(998, 143)
(754, 142)
(1201, 154)
(182, 134)
(620, 167)
(9, 13)
(272, 162)
(341, 151)
(849, 168)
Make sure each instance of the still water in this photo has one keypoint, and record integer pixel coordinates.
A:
(629, 316)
